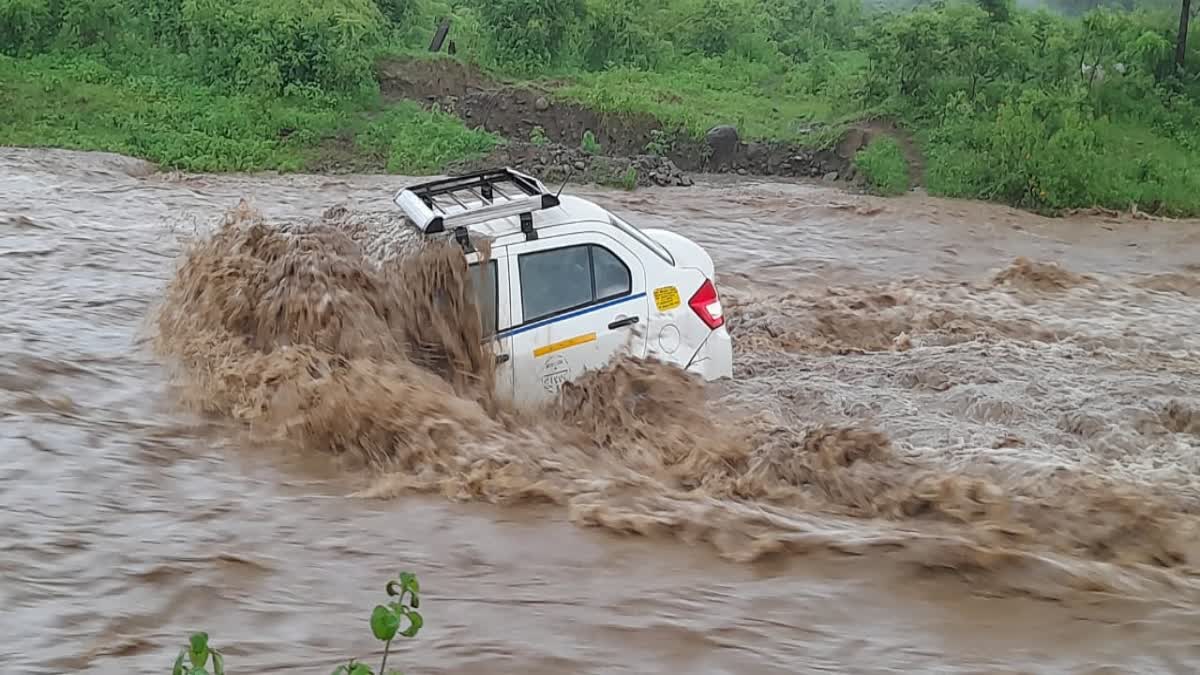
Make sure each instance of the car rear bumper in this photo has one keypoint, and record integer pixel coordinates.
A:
(714, 359)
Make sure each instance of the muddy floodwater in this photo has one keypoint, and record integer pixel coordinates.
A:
(961, 439)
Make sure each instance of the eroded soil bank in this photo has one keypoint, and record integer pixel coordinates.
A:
(520, 112)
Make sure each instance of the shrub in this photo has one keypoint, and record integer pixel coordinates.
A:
(589, 144)
(1037, 151)
(718, 28)
(528, 36)
(803, 28)
(269, 45)
(90, 23)
(26, 26)
(616, 34)
(399, 12)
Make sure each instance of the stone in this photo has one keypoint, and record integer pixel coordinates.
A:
(541, 104)
(831, 176)
(723, 141)
(852, 142)
(742, 172)
(756, 153)
(580, 166)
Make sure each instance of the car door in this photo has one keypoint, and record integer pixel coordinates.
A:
(577, 300)
(491, 286)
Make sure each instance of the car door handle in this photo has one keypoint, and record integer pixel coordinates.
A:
(501, 358)
(621, 323)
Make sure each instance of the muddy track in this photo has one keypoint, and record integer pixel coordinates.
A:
(519, 111)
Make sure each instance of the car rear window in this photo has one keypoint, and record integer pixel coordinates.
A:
(562, 279)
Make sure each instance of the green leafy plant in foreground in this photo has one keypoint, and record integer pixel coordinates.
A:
(399, 617)
(193, 659)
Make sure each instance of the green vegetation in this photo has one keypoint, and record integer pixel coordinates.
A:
(83, 103)
(1079, 104)
(705, 94)
(629, 179)
(884, 166)
(1048, 111)
(589, 144)
(397, 617)
(198, 654)
(214, 85)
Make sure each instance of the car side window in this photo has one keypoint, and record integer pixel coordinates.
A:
(612, 276)
(561, 279)
(555, 280)
(487, 298)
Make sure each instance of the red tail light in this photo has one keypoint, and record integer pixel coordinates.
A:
(707, 305)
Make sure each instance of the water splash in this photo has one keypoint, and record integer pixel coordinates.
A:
(344, 336)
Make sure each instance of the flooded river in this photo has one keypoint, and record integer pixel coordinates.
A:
(962, 439)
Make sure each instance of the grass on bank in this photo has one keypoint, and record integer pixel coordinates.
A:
(994, 92)
(81, 103)
(883, 164)
(697, 100)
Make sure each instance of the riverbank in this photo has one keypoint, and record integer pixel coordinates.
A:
(954, 99)
(433, 116)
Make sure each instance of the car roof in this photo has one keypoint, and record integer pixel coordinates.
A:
(571, 210)
(506, 207)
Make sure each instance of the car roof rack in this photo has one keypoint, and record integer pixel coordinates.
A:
(454, 204)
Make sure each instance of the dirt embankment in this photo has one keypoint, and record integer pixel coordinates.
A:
(545, 133)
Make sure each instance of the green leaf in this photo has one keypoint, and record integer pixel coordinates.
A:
(199, 670)
(178, 669)
(218, 663)
(353, 668)
(198, 649)
(409, 581)
(416, 622)
(384, 623)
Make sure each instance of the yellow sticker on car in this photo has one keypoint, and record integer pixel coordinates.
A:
(666, 298)
(564, 344)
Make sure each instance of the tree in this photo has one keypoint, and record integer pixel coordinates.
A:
(1185, 14)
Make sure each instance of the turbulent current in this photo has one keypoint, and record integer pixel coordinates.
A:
(960, 439)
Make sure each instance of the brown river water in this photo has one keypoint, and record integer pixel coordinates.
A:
(961, 439)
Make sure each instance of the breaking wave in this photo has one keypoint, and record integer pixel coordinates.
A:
(347, 336)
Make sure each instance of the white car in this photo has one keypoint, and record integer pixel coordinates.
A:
(570, 285)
